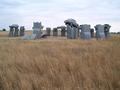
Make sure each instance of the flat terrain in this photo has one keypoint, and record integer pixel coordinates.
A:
(59, 64)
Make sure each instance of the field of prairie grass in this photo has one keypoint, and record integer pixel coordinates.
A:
(59, 64)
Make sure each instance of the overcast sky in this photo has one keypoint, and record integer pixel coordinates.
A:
(52, 13)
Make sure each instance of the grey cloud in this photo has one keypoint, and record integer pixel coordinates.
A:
(26, 11)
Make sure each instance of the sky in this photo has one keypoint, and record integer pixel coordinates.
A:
(53, 13)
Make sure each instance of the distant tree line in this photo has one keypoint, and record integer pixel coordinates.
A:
(115, 32)
(3, 29)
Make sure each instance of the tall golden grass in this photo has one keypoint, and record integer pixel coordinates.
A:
(59, 64)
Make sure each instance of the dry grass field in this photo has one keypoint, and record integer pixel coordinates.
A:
(59, 64)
